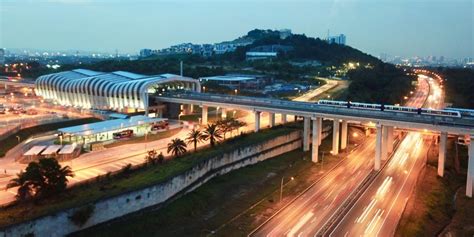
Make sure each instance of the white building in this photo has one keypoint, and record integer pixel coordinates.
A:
(339, 39)
(121, 91)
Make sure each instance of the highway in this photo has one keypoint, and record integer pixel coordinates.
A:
(306, 215)
(308, 96)
(379, 209)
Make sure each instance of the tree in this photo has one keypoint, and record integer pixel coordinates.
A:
(41, 179)
(195, 136)
(161, 158)
(151, 157)
(177, 147)
(225, 125)
(236, 124)
(213, 134)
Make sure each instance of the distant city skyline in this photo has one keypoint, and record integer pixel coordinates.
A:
(402, 28)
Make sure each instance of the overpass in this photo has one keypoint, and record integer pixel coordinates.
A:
(21, 83)
(385, 122)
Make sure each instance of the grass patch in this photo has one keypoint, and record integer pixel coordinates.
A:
(12, 140)
(431, 207)
(150, 137)
(138, 179)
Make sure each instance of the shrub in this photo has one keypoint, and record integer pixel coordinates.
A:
(81, 215)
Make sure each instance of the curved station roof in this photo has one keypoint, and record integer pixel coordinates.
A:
(100, 90)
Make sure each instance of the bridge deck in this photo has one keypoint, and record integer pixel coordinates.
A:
(463, 125)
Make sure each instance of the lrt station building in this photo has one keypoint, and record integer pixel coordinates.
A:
(118, 91)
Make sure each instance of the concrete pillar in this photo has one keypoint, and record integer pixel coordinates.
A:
(271, 119)
(335, 137)
(470, 169)
(306, 127)
(296, 118)
(224, 113)
(283, 118)
(378, 148)
(384, 142)
(316, 138)
(443, 137)
(320, 121)
(257, 120)
(390, 139)
(191, 108)
(344, 134)
(204, 115)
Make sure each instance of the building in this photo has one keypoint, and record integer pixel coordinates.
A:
(2, 56)
(120, 91)
(146, 53)
(239, 81)
(107, 130)
(339, 39)
(251, 55)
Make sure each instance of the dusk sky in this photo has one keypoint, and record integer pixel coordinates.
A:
(396, 27)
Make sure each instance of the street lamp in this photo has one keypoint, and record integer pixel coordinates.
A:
(235, 91)
(281, 186)
(18, 137)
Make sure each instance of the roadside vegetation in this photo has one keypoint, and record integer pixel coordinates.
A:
(432, 206)
(459, 84)
(131, 178)
(12, 140)
(229, 205)
(384, 83)
(42, 179)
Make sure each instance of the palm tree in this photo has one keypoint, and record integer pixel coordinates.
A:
(177, 147)
(195, 136)
(213, 134)
(25, 190)
(41, 179)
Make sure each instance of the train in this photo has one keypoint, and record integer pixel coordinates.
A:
(381, 107)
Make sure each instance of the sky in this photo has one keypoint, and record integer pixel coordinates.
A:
(396, 27)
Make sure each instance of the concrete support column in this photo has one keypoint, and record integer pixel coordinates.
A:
(443, 137)
(271, 119)
(335, 137)
(384, 142)
(390, 139)
(306, 127)
(470, 169)
(283, 118)
(257, 120)
(316, 138)
(344, 135)
(224, 113)
(320, 136)
(191, 108)
(204, 115)
(378, 148)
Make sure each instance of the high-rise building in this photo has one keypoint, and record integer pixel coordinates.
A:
(339, 39)
(2, 56)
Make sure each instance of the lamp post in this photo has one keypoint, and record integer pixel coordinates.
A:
(281, 186)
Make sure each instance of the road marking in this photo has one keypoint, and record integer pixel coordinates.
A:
(300, 224)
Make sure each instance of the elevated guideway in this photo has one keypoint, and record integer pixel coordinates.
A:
(453, 125)
(313, 114)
